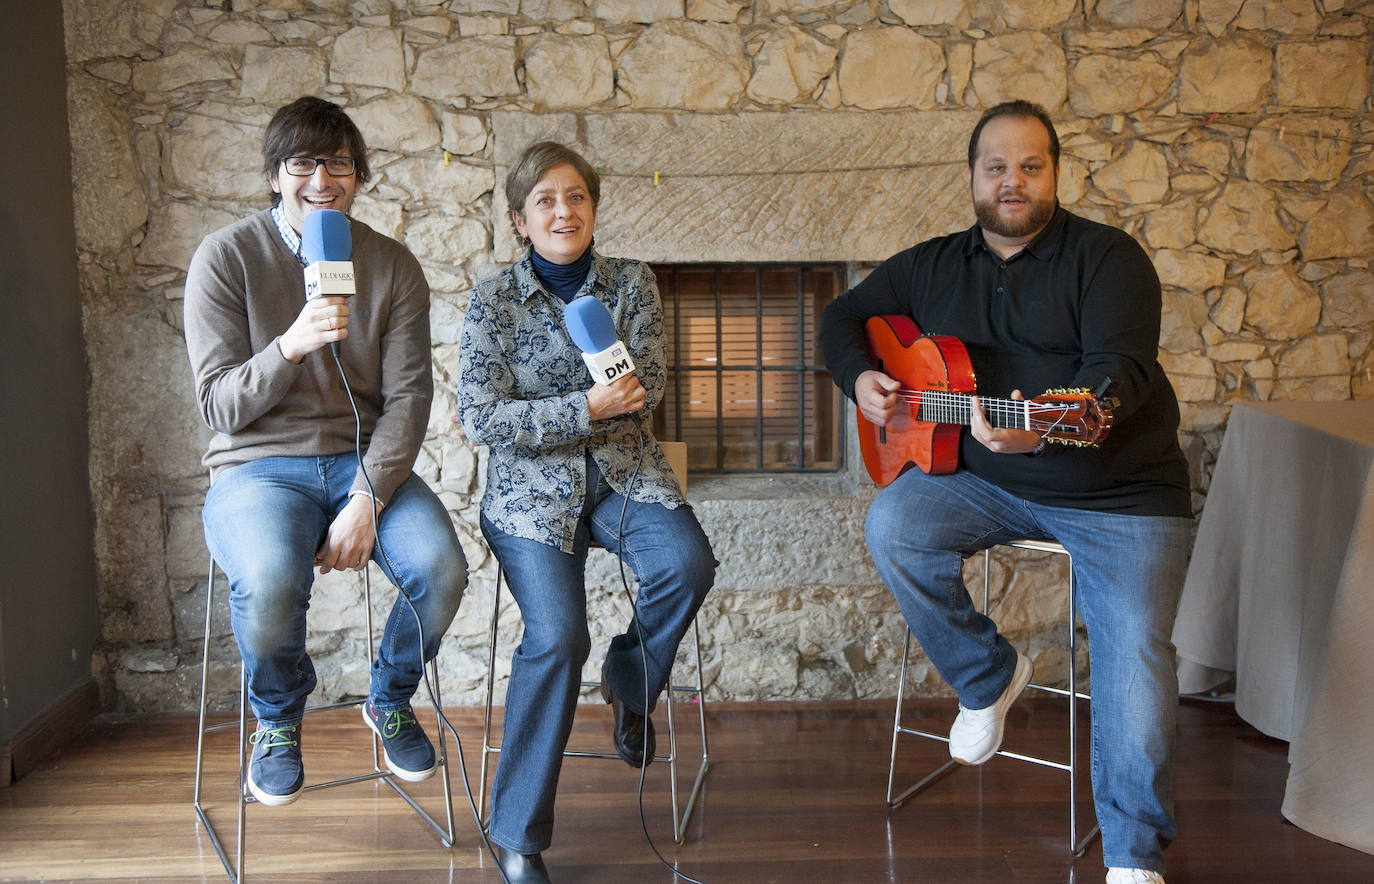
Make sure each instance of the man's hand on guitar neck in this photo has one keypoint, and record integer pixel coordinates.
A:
(1000, 440)
(876, 395)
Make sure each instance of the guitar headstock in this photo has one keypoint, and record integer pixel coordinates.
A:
(1072, 415)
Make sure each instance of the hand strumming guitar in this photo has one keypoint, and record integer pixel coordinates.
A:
(876, 395)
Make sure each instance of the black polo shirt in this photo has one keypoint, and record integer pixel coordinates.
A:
(1081, 302)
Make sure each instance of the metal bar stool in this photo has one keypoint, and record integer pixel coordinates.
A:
(235, 869)
(676, 453)
(1076, 846)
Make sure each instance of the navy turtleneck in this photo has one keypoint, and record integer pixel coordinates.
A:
(563, 280)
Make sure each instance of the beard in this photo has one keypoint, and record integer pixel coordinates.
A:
(989, 218)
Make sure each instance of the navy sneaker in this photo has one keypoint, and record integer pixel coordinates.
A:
(408, 752)
(275, 774)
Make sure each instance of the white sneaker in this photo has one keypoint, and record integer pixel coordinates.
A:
(977, 733)
(1133, 876)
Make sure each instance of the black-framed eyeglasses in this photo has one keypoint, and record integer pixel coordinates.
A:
(301, 167)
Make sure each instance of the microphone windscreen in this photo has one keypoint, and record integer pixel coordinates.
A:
(326, 236)
(590, 324)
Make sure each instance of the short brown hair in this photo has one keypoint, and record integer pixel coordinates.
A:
(535, 163)
(1020, 109)
(315, 127)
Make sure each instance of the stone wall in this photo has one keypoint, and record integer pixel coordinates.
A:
(1230, 136)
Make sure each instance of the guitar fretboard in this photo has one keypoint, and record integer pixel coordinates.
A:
(939, 407)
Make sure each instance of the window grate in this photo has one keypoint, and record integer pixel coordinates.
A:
(747, 387)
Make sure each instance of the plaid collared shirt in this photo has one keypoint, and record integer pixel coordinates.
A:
(289, 236)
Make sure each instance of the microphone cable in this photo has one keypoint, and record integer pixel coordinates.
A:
(419, 626)
(645, 760)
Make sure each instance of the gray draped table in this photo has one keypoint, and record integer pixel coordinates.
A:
(1280, 591)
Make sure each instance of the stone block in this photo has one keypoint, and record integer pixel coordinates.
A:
(103, 28)
(176, 230)
(1216, 15)
(428, 181)
(890, 68)
(1026, 65)
(1157, 15)
(1193, 376)
(184, 67)
(1235, 351)
(1244, 220)
(1281, 16)
(1230, 77)
(1141, 175)
(724, 11)
(1109, 84)
(1191, 271)
(131, 585)
(1030, 15)
(563, 71)
(1279, 304)
(1173, 225)
(1295, 148)
(1183, 314)
(1325, 74)
(383, 217)
(238, 32)
(214, 152)
(439, 239)
(789, 66)
(402, 123)
(1316, 356)
(188, 609)
(466, 68)
(1228, 313)
(938, 13)
(463, 134)
(369, 57)
(1346, 300)
(107, 194)
(788, 168)
(684, 65)
(280, 74)
(186, 554)
(1345, 229)
(636, 11)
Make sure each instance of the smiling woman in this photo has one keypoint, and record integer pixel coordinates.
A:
(572, 461)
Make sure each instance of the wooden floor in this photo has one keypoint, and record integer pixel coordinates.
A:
(795, 794)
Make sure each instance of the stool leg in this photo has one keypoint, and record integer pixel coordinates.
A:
(487, 748)
(449, 836)
(897, 717)
(672, 757)
(243, 767)
(699, 689)
(1076, 847)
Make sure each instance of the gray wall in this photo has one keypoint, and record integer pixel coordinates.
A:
(48, 619)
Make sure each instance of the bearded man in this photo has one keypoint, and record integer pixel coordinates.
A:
(1041, 298)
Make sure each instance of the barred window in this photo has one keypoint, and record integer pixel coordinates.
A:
(747, 388)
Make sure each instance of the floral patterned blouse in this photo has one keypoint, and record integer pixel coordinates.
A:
(522, 391)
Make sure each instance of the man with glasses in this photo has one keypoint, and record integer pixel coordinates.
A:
(287, 491)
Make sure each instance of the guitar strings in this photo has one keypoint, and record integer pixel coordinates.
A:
(957, 408)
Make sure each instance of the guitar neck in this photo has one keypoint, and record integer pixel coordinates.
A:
(939, 407)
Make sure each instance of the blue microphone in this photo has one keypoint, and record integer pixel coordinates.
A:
(327, 244)
(593, 331)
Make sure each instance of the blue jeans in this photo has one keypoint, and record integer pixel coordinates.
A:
(1128, 571)
(672, 560)
(265, 519)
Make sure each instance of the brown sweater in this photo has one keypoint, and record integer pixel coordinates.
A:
(244, 288)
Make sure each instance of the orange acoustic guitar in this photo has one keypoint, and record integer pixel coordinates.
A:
(937, 383)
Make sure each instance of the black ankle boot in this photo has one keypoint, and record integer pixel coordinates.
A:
(522, 868)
